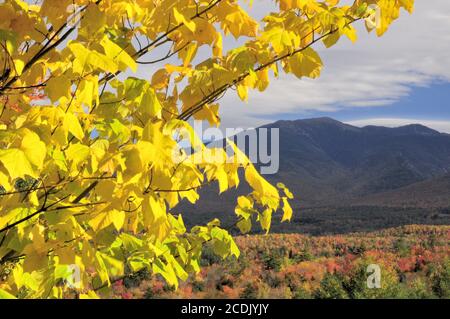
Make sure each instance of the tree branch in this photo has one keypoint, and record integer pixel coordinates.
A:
(213, 95)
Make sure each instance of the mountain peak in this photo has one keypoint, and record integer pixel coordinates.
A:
(418, 129)
(327, 122)
(410, 129)
(311, 121)
(324, 119)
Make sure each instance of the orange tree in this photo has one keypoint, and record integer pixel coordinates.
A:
(91, 168)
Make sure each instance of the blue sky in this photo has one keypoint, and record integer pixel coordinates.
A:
(430, 103)
(400, 78)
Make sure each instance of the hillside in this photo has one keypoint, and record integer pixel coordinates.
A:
(327, 161)
(434, 192)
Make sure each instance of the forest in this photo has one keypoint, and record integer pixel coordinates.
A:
(414, 262)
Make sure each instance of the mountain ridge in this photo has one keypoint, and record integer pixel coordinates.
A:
(327, 163)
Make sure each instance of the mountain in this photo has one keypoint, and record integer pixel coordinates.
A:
(327, 163)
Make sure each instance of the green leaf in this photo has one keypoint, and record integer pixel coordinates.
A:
(245, 225)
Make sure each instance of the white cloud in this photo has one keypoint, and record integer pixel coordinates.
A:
(441, 126)
(372, 72)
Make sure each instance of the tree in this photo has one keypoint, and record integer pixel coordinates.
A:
(91, 164)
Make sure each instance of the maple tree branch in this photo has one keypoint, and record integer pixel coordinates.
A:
(59, 184)
(76, 206)
(180, 190)
(160, 40)
(221, 90)
(46, 209)
(167, 56)
(112, 281)
(47, 48)
(20, 221)
(86, 191)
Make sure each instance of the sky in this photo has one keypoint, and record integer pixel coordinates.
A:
(400, 78)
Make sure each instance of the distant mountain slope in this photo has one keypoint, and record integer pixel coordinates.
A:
(432, 193)
(328, 163)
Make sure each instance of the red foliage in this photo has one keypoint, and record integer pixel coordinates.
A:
(303, 261)
(127, 295)
(407, 264)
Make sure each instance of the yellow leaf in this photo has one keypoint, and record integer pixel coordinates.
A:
(235, 20)
(209, 113)
(350, 32)
(150, 104)
(85, 58)
(265, 219)
(4, 180)
(58, 87)
(155, 217)
(73, 125)
(332, 39)
(160, 79)
(306, 63)
(16, 163)
(113, 266)
(90, 295)
(6, 295)
(244, 202)
(103, 220)
(222, 178)
(19, 65)
(218, 45)
(287, 210)
(244, 225)
(188, 53)
(181, 19)
(77, 153)
(242, 92)
(88, 91)
(258, 183)
(118, 54)
(34, 149)
(153, 211)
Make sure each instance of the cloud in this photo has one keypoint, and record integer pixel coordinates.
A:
(441, 126)
(373, 72)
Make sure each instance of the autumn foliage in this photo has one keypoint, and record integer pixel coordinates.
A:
(91, 163)
(414, 262)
